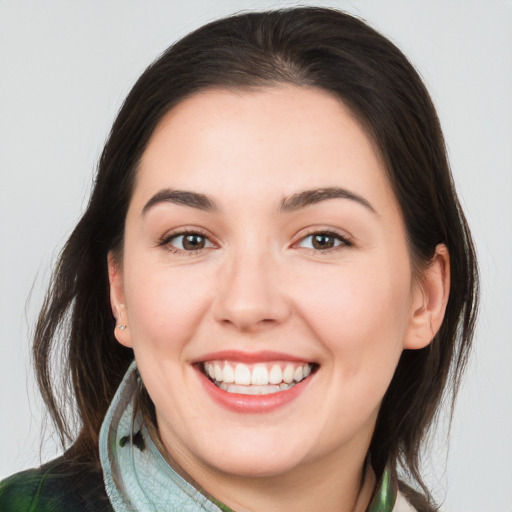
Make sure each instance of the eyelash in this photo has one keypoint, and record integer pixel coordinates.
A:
(167, 239)
(343, 241)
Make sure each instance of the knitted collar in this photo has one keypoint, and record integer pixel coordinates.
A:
(137, 477)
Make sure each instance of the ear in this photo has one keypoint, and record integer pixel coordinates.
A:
(429, 301)
(117, 301)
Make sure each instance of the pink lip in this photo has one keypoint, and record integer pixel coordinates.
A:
(251, 404)
(249, 357)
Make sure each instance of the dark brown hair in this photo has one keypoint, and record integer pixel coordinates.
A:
(309, 47)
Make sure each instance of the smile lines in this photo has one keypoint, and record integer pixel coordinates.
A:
(257, 379)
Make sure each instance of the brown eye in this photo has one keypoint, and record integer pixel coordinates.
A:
(323, 241)
(193, 242)
(188, 242)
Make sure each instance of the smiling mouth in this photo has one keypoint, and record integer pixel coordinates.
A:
(256, 379)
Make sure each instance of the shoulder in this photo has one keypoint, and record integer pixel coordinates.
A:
(58, 486)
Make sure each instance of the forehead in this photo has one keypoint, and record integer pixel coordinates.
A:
(273, 140)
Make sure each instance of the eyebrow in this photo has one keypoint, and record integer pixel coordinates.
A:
(313, 196)
(288, 204)
(183, 198)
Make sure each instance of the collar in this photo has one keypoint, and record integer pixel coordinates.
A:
(137, 477)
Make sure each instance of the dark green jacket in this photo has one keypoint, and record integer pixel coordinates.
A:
(59, 486)
(65, 486)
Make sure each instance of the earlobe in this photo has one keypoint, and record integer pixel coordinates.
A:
(117, 301)
(431, 298)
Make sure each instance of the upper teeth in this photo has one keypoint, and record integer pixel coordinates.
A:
(261, 374)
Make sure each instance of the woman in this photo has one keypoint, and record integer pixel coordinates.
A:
(275, 238)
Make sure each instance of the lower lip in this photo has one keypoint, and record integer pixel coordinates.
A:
(252, 404)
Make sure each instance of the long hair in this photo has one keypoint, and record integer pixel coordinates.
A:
(308, 47)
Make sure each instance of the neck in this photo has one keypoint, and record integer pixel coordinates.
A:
(333, 483)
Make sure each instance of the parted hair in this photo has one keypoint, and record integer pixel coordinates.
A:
(307, 47)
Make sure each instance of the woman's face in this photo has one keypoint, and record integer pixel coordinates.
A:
(263, 245)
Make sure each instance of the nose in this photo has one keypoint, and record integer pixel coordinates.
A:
(250, 294)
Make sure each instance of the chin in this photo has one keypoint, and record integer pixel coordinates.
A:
(257, 466)
(254, 455)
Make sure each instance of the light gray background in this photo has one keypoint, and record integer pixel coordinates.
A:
(65, 67)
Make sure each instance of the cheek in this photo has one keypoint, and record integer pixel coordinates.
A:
(360, 317)
(359, 312)
(164, 306)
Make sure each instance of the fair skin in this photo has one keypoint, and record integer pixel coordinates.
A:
(321, 281)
